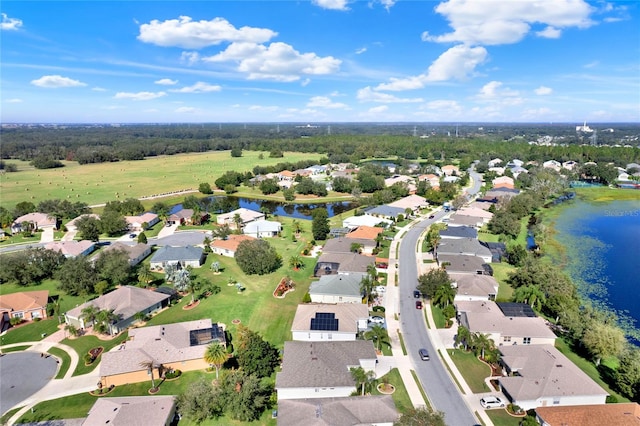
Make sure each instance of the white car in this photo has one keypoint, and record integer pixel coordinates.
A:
(491, 402)
(376, 320)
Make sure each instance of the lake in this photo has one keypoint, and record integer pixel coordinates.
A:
(602, 241)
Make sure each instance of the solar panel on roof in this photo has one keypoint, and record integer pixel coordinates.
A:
(324, 321)
(510, 309)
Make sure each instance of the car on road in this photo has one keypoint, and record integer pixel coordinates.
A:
(418, 304)
(132, 235)
(424, 354)
(376, 320)
(491, 401)
(432, 216)
(416, 294)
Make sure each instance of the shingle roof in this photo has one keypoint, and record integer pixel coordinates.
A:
(385, 211)
(70, 248)
(373, 409)
(459, 232)
(340, 284)
(169, 254)
(475, 285)
(24, 300)
(347, 315)
(365, 232)
(181, 214)
(544, 372)
(232, 242)
(463, 264)
(125, 301)
(623, 414)
(343, 245)
(133, 252)
(348, 262)
(464, 246)
(131, 411)
(322, 364)
(411, 201)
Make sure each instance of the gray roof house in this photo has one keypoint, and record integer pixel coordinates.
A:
(132, 411)
(456, 232)
(475, 287)
(337, 288)
(462, 264)
(339, 263)
(465, 247)
(385, 211)
(379, 410)
(541, 375)
(461, 220)
(321, 369)
(183, 256)
(343, 245)
(125, 302)
(317, 322)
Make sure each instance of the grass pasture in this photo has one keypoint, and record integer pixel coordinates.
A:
(99, 183)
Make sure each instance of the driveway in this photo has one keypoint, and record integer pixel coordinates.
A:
(23, 374)
(47, 236)
(168, 230)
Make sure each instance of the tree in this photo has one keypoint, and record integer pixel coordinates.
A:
(482, 343)
(162, 210)
(104, 319)
(144, 274)
(77, 276)
(30, 266)
(205, 188)
(530, 294)
(112, 223)
(289, 194)
(193, 285)
(89, 228)
(428, 283)
(89, 314)
(236, 151)
(355, 248)
(140, 316)
(295, 225)
(444, 295)
(463, 336)
(215, 355)
(603, 340)
(142, 238)
(149, 365)
(379, 336)
(269, 186)
(296, 262)
(421, 417)
(320, 224)
(255, 355)
(627, 377)
(244, 396)
(200, 401)
(516, 253)
(362, 378)
(366, 288)
(113, 266)
(257, 257)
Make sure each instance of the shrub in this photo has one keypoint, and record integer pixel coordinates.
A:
(378, 309)
(88, 359)
(15, 321)
(172, 374)
(37, 319)
(306, 298)
(611, 399)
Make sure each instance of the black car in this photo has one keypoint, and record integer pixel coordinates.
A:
(416, 294)
(424, 354)
(432, 216)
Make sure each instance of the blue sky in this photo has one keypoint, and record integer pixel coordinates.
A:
(320, 61)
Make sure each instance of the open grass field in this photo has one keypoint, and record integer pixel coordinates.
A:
(99, 183)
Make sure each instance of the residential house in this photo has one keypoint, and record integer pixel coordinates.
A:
(497, 170)
(124, 302)
(323, 322)
(413, 202)
(342, 263)
(385, 212)
(262, 229)
(503, 182)
(515, 163)
(27, 305)
(179, 346)
(552, 164)
(72, 225)
(456, 220)
(479, 213)
(450, 179)
(132, 410)
(451, 170)
(141, 222)
(498, 250)
(229, 246)
(622, 414)
(633, 169)
(185, 217)
(344, 245)
(401, 179)
(494, 162)
(517, 326)
(177, 256)
(459, 264)
(286, 176)
(36, 222)
(317, 169)
(465, 247)
(474, 287)
(569, 165)
(540, 375)
(136, 253)
(499, 194)
(484, 205)
(434, 180)
(376, 410)
(245, 216)
(365, 233)
(322, 369)
(72, 248)
(517, 171)
(365, 220)
(340, 288)
(458, 232)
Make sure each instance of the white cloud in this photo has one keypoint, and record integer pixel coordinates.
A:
(494, 93)
(270, 108)
(305, 82)
(451, 107)
(369, 95)
(14, 101)
(56, 81)
(592, 64)
(324, 102)
(543, 90)
(189, 58)
(332, 4)
(166, 82)
(10, 24)
(457, 63)
(98, 89)
(388, 4)
(140, 96)
(199, 87)
(186, 110)
(361, 50)
(549, 32)
(378, 109)
(278, 61)
(494, 22)
(189, 34)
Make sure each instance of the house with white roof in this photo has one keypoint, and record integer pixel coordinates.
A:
(262, 229)
(72, 248)
(245, 215)
(35, 220)
(141, 222)
(413, 202)
(324, 322)
(552, 164)
(540, 375)
(434, 180)
(494, 162)
(451, 170)
(497, 170)
(182, 256)
(322, 369)
(354, 222)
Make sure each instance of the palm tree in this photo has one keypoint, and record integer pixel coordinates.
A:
(144, 274)
(237, 220)
(149, 366)
(89, 314)
(482, 343)
(215, 355)
(373, 272)
(295, 262)
(193, 285)
(296, 227)
(361, 377)
(444, 295)
(104, 320)
(463, 336)
(530, 294)
(140, 316)
(366, 288)
(379, 335)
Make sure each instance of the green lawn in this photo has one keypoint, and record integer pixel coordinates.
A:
(32, 332)
(65, 361)
(66, 302)
(84, 344)
(473, 370)
(438, 317)
(488, 237)
(16, 349)
(502, 418)
(501, 274)
(400, 396)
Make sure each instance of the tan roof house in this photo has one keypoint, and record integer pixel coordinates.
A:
(379, 410)
(137, 223)
(474, 287)
(185, 217)
(72, 248)
(132, 411)
(344, 245)
(318, 322)
(474, 212)
(503, 182)
(25, 304)
(540, 375)
(246, 216)
(36, 221)
(623, 414)
(178, 346)
(413, 202)
(450, 170)
(434, 180)
(229, 246)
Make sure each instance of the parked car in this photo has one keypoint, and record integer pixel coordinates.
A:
(376, 320)
(432, 216)
(132, 235)
(416, 294)
(424, 354)
(418, 304)
(491, 402)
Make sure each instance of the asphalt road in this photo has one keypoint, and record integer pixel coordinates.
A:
(23, 374)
